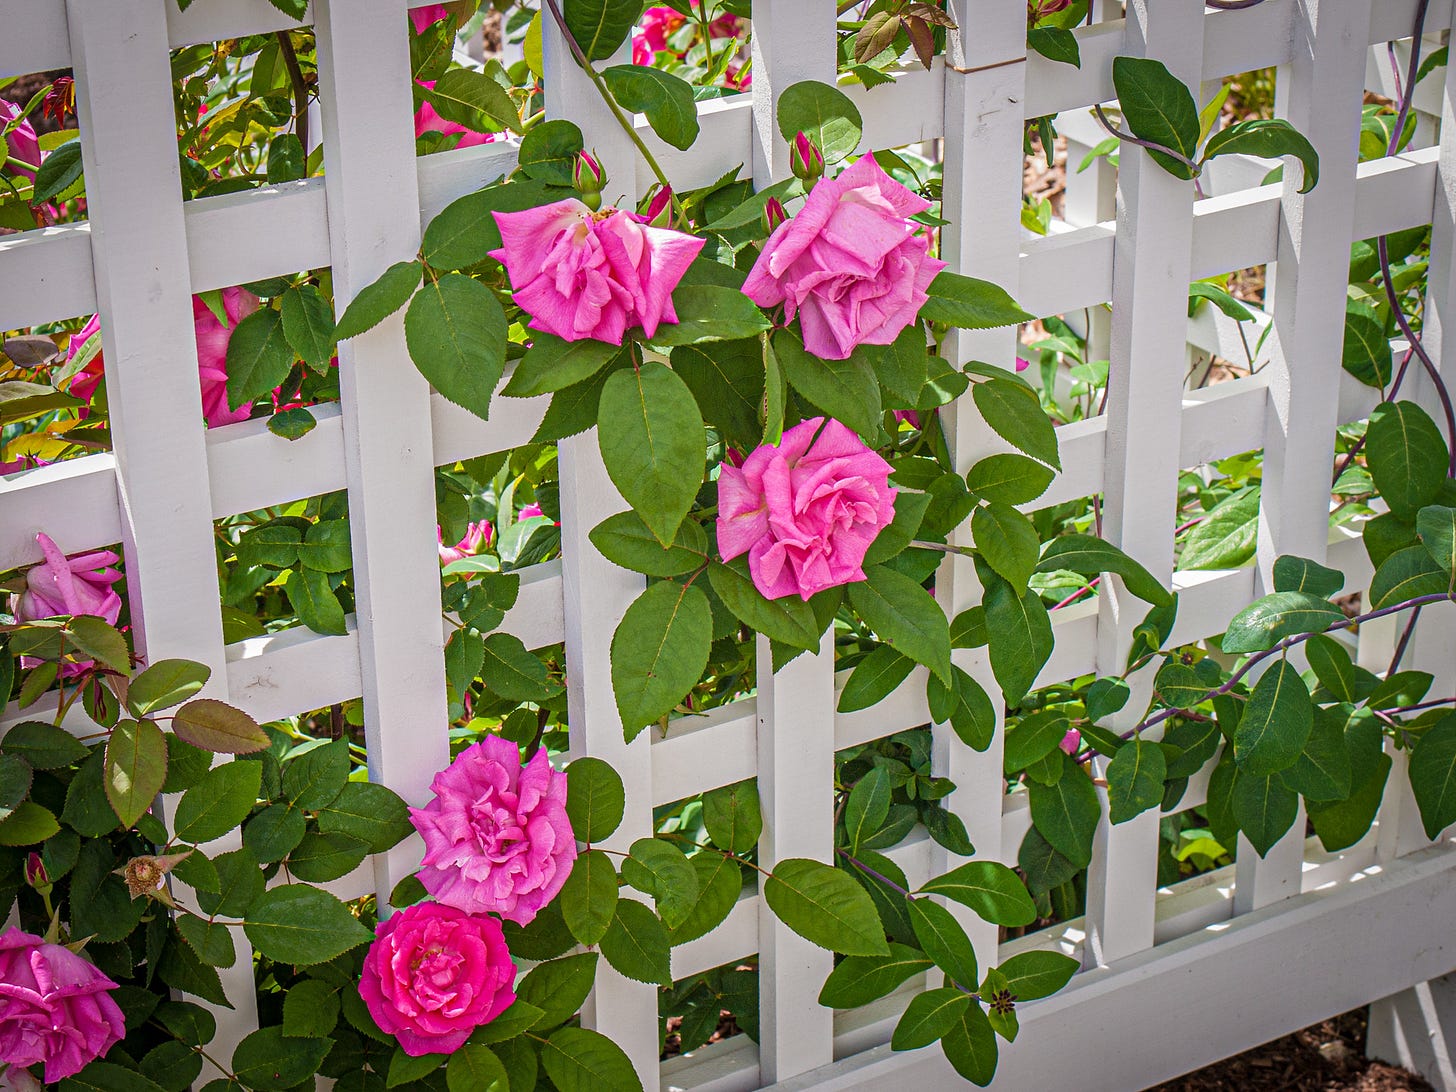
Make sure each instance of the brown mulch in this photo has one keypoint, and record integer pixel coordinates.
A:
(1328, 1057)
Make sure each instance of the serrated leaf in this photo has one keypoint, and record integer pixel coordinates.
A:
(904, 616)
(636, 944)
(589, 897)
(218, 727)
(825, 114)
(595, 799)
(659, 652)
(653, 444)
(165, 683)
(1015, 413)
(219, 802)
(667, 100)
(455, 329)
(578, 1060)
(733, 817)
(971, 304)
(299, 924)
(136, 768)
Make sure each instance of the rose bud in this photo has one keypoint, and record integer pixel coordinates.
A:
(658, 210)
(805, 158)
(589, 178)
(36, 874)
(773, 214)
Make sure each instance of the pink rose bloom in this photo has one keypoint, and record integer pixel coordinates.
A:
(530, 511)
(805, 511)
(1037, 9)
(497, 839)
(477, 537)
(69, 585)
(430, 14)
(21, 142)
(54, 1007)
(434, 974)
(212, 343)
(584, 275)
(851, 264)
(428, 121)
(1071, 741)
(84, 383)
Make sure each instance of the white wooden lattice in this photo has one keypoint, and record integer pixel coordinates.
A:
(1284, 941)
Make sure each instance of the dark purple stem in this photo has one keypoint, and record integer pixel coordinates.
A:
(1405, 637)
(870, 872)
(1150, 145)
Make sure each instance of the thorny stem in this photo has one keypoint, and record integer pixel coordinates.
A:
(607, 97)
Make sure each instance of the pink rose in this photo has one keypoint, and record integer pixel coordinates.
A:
(434, 974)
(1071, 741)
(69, 585)
(530, 511)
(20, 142)
(54, 1007)
(805, 511)
(650, 37)
(497, 839)
(477, 537)
(1038, 9)
(428, 121)
(84, 383)
(212, 343)
(580, 275)
(430, 14)
(851, 264)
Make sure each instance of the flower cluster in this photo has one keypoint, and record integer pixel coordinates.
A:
(658, 24)
(497, 842)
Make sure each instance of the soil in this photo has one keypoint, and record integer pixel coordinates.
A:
(1328, 1057)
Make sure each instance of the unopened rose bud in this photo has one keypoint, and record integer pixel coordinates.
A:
(773, 214)
(589, 178)
(36, 874)
(806, 160)
(658, 212)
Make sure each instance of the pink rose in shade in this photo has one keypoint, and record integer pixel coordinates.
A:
(530, 511)
(212, 343)
(851, 264)
(805, 511)
(497, 839)
(69, 585)
(434, 974)
(84, 383)
(54, 1007)
(430, 14)
(1071, 741)
(20, 142)
(584, 275)
(477, 537)
(428, 121)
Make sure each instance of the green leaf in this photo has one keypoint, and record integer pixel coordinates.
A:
(315, 778)
(456, 332)
(44, 746)
(1263, 808)
(559, 987)
(216, 726)
(659, 652)
(788, 620)
(929, 1016)
(475, 1068)
(1015, 413)
(1180, 686)
(58, 172)
(825, 906)
(1089, 556)
(464, 653)
(636, 944)
(625, 540)
(733, 817)
(211, 941)
(902, 613)
(1032, 739)
(1365, 353)
(658, 868)
(326, 547)
(27, 824)
(219, 802)
(1406, 455)
(1105, 697)
(1007, 541)
(465, 232)
(1266, 138)
(990, 889)
(1332, 666)
(874, 678)
(1299, 574)
(845, 390)
(274, 832)
(511, 672)
(589, 897)
(270, 1061)
(1437, 529)
(1407, 574)
(667, 100)
(1009, 479)
(375, 302)
(1227, 536)
(1267, 621)
(96, 639)
(259, 357)
(595, 799)
(729, 376)
(1276, 723)
(720, 882)
(1033, 975)
(310, 1009)
(1229, 305)
(321, 858)
(974, 717)
(548, 151)
(308, 324)
(1021, 637)
(825, 114)
(474, 100)
(943, 940)
(409, 1068)
(858, 980)
(136, 767)
(710, 312)
(1055, 44)
(509, 1024)
(1323, 770)
(970, 1047)
(653, 444)
(102, 1076)
(165, 683)
(578, 1060)
(1433, 776)
(1066, 812)
(240, 881)
(599, 27)
(1158, 108)
(971, 304)
(868, 806)
(22, 401)
(369, 813)
(1135, 779)
(296, 923)
(312, 597)
(552, 364)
